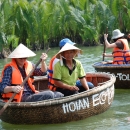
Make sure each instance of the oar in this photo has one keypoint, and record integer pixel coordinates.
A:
(7, 103)
(104, 50)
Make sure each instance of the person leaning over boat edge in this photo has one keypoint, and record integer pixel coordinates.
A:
(16, 71)
(54, 60)
(121, 52)
(65, 74)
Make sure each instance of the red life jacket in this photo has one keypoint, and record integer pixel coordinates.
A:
(121, 56)
(17, 79)
(50, 75)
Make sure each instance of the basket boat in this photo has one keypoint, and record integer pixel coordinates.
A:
(121, 72)
(65, 109)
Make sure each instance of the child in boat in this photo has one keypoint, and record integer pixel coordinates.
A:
(68, 70)
(54, 60)
(121, 52)
(16, 71)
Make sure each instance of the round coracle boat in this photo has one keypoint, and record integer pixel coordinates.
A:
(65, 109)
(121, 72)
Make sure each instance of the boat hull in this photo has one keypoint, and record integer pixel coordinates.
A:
(121, 72)
(66, 109)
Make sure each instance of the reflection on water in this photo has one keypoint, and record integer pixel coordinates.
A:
(117, 117)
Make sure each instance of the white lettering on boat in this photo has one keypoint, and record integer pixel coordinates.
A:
(84, 103)
(77, 105)
(121, 76)
(102, 97)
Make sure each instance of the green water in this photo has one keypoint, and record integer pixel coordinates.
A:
(117, 117)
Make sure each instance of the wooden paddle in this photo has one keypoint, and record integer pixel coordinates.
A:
(104, 50)
(7, 103)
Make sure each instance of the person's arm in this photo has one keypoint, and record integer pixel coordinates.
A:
(41, 71)
(5, 85)
(15, 89)
(43, 63)
(84, 83)
(82, 75)
(107, 44)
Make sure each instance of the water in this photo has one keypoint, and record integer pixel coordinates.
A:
(117, 117)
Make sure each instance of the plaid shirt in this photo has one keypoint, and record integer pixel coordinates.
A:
(6, 81)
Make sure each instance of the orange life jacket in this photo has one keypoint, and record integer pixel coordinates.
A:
(121, 56)
(50, 75)
(17, 79)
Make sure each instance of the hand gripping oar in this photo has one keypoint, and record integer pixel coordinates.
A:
(7, 103)
(104, 45)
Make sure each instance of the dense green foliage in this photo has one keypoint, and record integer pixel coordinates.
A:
(42, 23)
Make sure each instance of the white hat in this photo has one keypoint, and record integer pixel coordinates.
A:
(21, 51)
(67, 47)
(117, 34)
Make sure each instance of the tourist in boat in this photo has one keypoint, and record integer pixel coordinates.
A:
(121, 53)
(67, 70)
(16, 71)
(54, 60)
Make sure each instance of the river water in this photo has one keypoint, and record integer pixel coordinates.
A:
(117, 117)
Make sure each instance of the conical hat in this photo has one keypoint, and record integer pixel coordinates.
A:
(21, 51)
(67, 47)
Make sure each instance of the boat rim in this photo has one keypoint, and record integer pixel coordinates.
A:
(111, 66)
(62, 100)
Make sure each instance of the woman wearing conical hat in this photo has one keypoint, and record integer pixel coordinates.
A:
(16, 71)
(121, 52)
(68, 70)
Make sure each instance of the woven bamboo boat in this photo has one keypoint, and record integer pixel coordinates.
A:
(121, 72)
(65, 109)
